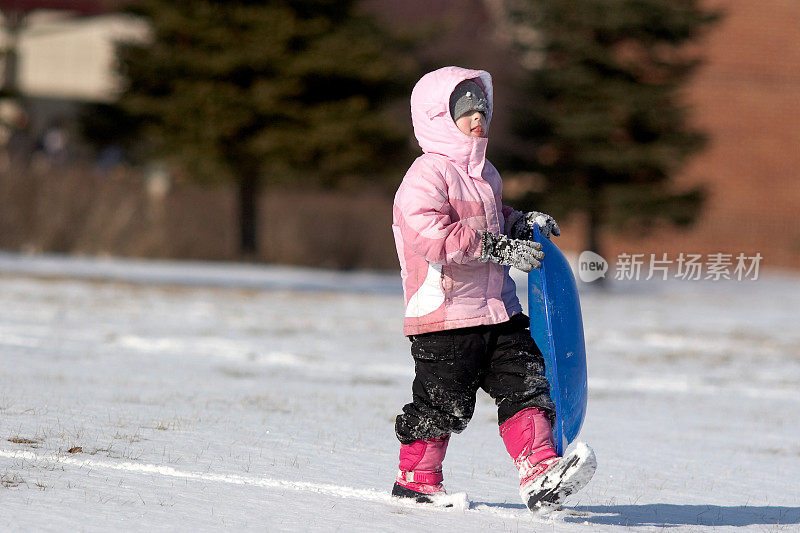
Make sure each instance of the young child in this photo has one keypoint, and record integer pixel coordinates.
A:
(456, 241)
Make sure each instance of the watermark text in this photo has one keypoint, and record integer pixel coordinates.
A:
(684, 266)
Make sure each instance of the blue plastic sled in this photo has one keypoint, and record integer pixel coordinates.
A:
(557, 328)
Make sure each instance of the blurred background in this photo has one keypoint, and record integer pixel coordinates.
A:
(278, 131)
(238, 390)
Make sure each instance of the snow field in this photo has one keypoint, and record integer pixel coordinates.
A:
(266, 401)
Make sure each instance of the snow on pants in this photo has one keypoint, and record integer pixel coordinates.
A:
(451, 365)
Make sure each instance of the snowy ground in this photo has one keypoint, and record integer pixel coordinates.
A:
(165, 396)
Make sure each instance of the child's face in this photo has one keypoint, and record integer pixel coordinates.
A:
(472, 124)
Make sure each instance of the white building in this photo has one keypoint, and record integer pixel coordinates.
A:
(73, 58)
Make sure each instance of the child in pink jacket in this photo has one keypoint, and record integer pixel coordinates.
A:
(456, 241)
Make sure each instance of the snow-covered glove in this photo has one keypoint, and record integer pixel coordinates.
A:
(523, 227)
(521, 254)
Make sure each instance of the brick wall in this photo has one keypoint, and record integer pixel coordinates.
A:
(746, 97)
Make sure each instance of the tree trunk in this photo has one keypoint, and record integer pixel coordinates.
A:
(593, 231)
(248, 215)
(14, 22)
(595, 215)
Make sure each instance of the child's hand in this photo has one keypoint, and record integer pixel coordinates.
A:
(521, 254)
(523, 228)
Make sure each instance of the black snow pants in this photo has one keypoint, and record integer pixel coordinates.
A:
(451, 365)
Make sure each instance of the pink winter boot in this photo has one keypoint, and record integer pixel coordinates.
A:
(545, 479)
(420, 476)
(529, 440)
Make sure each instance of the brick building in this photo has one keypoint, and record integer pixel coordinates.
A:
(746, 97)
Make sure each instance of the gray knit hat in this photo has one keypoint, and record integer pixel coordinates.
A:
(468, 96)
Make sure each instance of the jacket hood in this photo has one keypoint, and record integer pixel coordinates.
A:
(435, 129)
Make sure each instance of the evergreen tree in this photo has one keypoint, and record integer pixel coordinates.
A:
(266, 91)
(602, 121)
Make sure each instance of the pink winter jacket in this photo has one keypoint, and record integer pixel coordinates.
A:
(447, 197)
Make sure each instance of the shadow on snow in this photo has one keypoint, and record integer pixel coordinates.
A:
(475, 505)
(670, 515)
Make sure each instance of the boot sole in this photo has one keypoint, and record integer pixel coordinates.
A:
(566, 477)
(399, 491)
